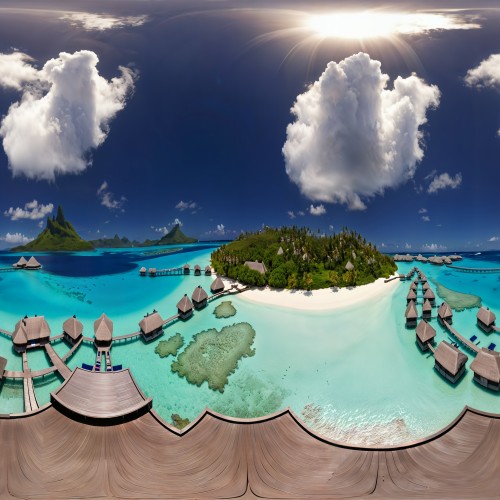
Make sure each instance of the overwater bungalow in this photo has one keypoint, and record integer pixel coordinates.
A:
(411, 296)
(143, 271)
(72, 330)
(425, 334)
(415, 281)
(197, 270)
(423, 278)
(208, 271)
(429, 295)
(21, 263)
(256, 266)
(427, 310)
(186, 268)
(3, 364)
(217, 285)
(33, 264)
(455, 257)
(445, 313)
(152, 271)
(413, 287)
(103, 331)
(199, 297)
(486, 368)
(411, 315)
(449, 361)
(437, 261)
(151, 326)
(425, 286)
(185, 307)
(486, 319)
(447, 261)
(30, 332)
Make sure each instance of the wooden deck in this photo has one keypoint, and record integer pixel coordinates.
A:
(475, 269)
(72, 350)
(467, 343)
(6, 333)
(50, 456)
(127, 336)
(57, 362)
(30, 402)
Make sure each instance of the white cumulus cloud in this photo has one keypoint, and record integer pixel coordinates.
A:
(186, 205)
(433, 247)
(100, 22)
(487, 74)
(220, 229)
(319, 210)
(16, 239)
(494, 238)
(32, 210)
(353, 137)
(63, 115)
(425, 218)
(108, 198)
(16, 70)
(444, 181)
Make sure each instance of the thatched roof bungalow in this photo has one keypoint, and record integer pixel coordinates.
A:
(217, 285)
(30, 332)
(449, 361)
(186, 268)
(142, 271)
(429, 295)
(20, 263)
(425, 334)
(3, 364)
(199, 297)
(486, 319)
(197, 270)
(103, 331)
(185, 307)
(151, 326)
(411, 314)
(33, 264)
(411, 295)
(445, 313)
(152, 271)
(425, 286)
(413, 287)
(208, 271)
(72, 330)
(256, 266)
(427, 310)
(486, 368)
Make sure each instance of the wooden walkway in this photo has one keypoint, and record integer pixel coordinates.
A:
(8, 269)
(57, 337)
(72, 350)
(128, 336)
(58, 362)
(30, 402)
(467, 343)
(475, 269)
(6, 333)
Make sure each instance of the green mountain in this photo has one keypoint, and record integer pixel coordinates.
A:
(115, 242)
(175, 236)
(59, 234)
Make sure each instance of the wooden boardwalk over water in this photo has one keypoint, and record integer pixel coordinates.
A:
(58, 362)
(467, 343)
(474, 269)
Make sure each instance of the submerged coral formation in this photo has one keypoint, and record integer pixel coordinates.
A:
(458, 301)
(225, 310)
(170, 346)
(180, 422)
(212, 356)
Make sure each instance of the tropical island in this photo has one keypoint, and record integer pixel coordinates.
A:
(295, 258)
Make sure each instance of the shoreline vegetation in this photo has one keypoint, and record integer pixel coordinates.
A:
(295, 258)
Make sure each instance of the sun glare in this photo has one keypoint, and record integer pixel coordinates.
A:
(360, 25)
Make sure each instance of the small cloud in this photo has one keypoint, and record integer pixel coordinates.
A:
(220, 228)
(487, 74)
(176, 222)
(16, 239)
(494, 238)
(330, 227)
(108, 198)
(422, 211)
(444, 181)
(433, 247)
(319, 210)
(430, 175)
(291, 214)
(407, 246)
(40, 224)
(300, 213)
(32, 211)
(425, 218)
(101, 22)
(190, 205)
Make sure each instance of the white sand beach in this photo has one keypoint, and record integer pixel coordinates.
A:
(316, 300)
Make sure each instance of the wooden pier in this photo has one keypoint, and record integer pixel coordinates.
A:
(8, 269)
(127, 336)
(467, 343)
(30, 402)
(57, 362)
(6, 333)
(483, 270)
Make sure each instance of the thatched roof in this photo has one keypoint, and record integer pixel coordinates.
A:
(444, 311)
(151, 322)
(429, 294)
(28, 329)
(256, 266)
(199, 295)
(487, 365)
(486, 316)
(425, 286)
(449, 357)
(208, 268)
(197, 268)
(184, 305)
(33, 263)
(143, 270)
(411, 310)
(411, 295)
(425, 332)
(349, 266)
(103, 329)
(3, 364)
(216, 285)
(73, 327)
(427, 306)
(21, 262)
(186, 266)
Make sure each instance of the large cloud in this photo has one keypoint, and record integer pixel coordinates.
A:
(15, 70)
(62, 116)
(16, 238)
(100, 22)
(352, 137)
(32, 210)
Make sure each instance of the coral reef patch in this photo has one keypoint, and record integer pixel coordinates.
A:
(458, 301)
(225, 310)
(169, 346)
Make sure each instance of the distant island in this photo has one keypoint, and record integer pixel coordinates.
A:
(58, 235)
(292, 257)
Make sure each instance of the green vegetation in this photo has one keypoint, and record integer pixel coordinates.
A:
(212, 356)
(176, 236)
(170, 346)
(458, 301)
(180, 422)
(225, 310)
(115, 242)
(296, 258)
(58, 235)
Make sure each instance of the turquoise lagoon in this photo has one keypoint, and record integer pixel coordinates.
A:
(354, 374)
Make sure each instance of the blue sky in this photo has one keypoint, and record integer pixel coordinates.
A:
(133, 115)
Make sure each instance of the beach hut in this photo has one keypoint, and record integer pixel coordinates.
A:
(449, 361)
(208, 271)
(152, 271)
(217, 285)
(445, 314)
(3, 364)
(486, 368)
(425, 334)
(486, 319)
(197, 270)
(21, 263)
(411, 315)
(199, 298)
(103, 331)
(185, 307)
(30, 332)
(429, 295)
(427, 310)
(151, 326)
(33, 264)
(256, 266)
(411, 296)
(72, 330)
(349, 266)
(143, 271)
(186, 268)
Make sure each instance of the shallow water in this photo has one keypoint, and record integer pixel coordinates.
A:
(355, 374)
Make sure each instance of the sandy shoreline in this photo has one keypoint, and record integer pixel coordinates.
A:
(328, 299)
